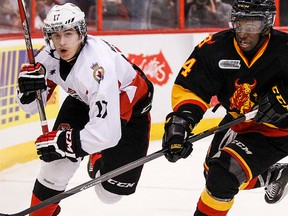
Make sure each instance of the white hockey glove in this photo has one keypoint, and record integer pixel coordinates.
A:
(59, 144)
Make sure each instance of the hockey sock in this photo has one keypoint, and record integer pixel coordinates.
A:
(40, 193)
(51, 210)
(209, 205)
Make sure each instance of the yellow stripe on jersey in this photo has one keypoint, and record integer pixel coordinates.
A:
(181, 96)
(258, 54)
(244, 185)
(241, 161)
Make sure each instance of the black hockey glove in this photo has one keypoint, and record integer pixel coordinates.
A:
(59, 144)
(177, 128)
(27, 97)
(273, 106)
(32, 78)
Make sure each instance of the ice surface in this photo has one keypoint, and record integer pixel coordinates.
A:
(165, 189)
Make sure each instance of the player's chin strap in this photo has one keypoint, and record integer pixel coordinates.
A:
(128, 167)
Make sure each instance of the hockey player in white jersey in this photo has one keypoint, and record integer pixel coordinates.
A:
(105, 115)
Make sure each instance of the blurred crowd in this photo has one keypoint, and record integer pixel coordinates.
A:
(133, 14)
(9, 16)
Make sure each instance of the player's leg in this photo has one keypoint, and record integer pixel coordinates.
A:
(236, 163)
(73, 114)
(132, 146)
(41, 193)
(52, 180)
(221, 186)
(219, 141)
(267, 178)
(274, 179)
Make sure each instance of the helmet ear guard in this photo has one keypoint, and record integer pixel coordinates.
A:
(263, 10)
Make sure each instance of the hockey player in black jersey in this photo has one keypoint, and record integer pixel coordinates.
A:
(246, 67)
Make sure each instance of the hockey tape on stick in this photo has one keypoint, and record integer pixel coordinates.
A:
(127, 167)
(29, 49)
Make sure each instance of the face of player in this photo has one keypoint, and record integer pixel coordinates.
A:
(248, 33)
(67, 43)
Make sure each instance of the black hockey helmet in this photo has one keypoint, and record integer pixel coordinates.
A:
(264, 10)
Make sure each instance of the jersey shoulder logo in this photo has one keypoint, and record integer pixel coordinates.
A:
(98, 72)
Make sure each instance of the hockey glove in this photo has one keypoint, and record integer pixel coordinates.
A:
(59, 144)
(273, 106)
(27, 97)
(177, 128)
(31, 78)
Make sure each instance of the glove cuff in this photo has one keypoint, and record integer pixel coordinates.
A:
(69, 141)
(78, 145)
(181, 119)
(27, 97)
(192, 111)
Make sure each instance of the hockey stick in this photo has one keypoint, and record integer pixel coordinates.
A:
(219, 128)
(30, 53)
(128, 167)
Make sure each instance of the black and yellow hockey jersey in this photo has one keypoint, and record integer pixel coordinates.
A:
(218, 67)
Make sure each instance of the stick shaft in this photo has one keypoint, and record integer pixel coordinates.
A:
(31, 58)
(218, 128)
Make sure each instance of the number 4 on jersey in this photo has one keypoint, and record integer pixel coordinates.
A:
(186, 68)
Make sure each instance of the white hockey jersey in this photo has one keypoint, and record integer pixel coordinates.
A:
(103, 79)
